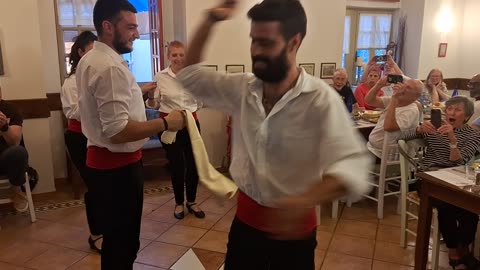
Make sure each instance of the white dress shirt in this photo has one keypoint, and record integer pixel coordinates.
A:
(307, 135)
(69, 98)
(170, 94)
(109, 97)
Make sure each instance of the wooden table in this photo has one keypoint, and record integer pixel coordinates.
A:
(436, 188)
(364, 127)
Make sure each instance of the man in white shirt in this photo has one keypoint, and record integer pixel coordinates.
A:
(170, 95)
(113, 120)
(401, 113)
(294, 145)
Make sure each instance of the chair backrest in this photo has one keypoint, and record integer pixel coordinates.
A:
(411, 158)
(389, 150)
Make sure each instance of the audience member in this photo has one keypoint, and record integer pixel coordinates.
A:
(13, 156)
(341, 84)
(474, 88)
(401, 112)
(452, 144)
(373, 75)
(435, 89)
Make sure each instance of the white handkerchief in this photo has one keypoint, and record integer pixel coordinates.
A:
(216, 182)
(168, 137)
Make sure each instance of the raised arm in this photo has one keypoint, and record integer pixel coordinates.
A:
(196, 47)
(371, 98)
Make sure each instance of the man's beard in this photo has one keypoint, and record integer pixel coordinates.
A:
(119, 45)
(275, 69)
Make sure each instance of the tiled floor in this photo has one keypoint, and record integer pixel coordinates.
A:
(357, 240)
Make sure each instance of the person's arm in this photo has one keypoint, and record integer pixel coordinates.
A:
(135, 130)
(463, 152)
(434, 94)
(391, 63)
(113, 95)
(196, 47)
(13, 135)
(11, 131)
(390, 123)
(443, 96)
(372, 97)
(153, 95)
(69, 98)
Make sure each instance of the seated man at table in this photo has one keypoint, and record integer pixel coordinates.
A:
(401, 112)
(452, 144)
(340, 83)
(13, 156)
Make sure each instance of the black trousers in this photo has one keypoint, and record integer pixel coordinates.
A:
(77, 148)
(458, 226)
(118, 194)
(13, 163)
(249, 248)
(182, 166)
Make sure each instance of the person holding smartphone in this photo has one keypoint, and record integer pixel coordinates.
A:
(451, 144)
(401, 111)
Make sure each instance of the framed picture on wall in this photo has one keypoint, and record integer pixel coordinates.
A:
(327, 70)
(309, 68)
(211, 67)
(442, 49)
(235, 68)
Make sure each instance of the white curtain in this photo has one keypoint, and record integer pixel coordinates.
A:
(374, 31)
(346, 35)
(75, 12)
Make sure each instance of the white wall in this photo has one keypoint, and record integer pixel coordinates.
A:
(413, 9)
(469, 55)
(432, 37)
(31, 69)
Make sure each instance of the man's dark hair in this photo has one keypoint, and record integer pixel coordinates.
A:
(109, 10)
(289, 13)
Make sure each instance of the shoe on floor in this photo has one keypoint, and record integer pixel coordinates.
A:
(20, 202)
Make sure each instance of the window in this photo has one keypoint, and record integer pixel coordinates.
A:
(76, 16)
(346, 39)
(374, 31)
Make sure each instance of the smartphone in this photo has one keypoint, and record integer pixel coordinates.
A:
(436, 118)
(392, 78)
(380, 59)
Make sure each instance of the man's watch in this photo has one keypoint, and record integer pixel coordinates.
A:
(453, 145)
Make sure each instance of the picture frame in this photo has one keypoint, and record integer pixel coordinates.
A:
(327, 70)
(211, 67)
(235, 68)
(442, 49)
(309, 68)
(2, 71)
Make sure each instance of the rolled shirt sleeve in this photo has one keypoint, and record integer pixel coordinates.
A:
(112, 95)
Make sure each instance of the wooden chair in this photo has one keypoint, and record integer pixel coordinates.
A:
(411, 157)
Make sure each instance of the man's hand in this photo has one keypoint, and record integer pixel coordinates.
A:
(223, 11)
(427, 127)
(175, 120)
(149, 88)
(3, 119)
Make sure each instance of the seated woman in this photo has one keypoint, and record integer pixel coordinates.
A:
(435, 89)
(453, 143)
(373, 76)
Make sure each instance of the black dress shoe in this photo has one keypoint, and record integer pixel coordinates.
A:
(198, 214)
(91, 242)
(180, 215)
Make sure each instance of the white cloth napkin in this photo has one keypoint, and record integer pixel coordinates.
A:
(213, 180)
(168, 137)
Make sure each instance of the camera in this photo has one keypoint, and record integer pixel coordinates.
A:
(380, 58)
(392, 78)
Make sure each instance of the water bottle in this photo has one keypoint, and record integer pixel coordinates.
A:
(455, 92)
